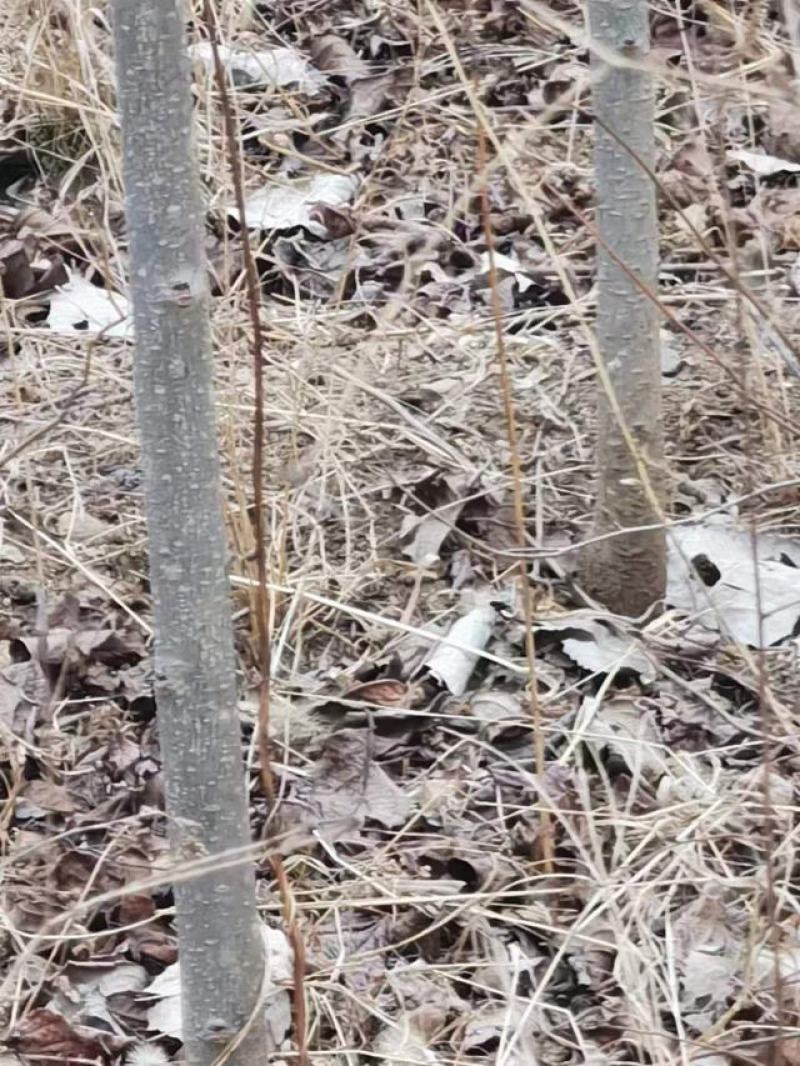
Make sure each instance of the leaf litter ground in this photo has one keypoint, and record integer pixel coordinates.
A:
(410, 814)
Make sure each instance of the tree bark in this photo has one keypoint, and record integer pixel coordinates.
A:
(221, 949)
(627, 572)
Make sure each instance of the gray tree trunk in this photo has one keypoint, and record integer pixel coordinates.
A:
(221, 949)
(627, 572)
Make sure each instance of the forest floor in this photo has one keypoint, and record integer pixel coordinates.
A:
(412, 819)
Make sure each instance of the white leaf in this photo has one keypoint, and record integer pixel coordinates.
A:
(80, 307)
(429, 532)
(165, 1016)
(167, 983)
(629, 731)
(509, 265)
(729, 603)
(290, 203)
(761, 163)
(598, 648)
(275, 67)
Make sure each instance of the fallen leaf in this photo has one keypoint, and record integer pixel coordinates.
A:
(83, 308)
(346, 788)
(83, 995)
(41, 797)
(709, 956)
(165, 1016)
(16, 274)
(429, 533)
(43, 1034)
(405, 1043)
(334, 55)
(762, 164)
(274, 67)
(387, 692)
(451, 664)
(595, 647)
(711, 576)
(623, 727)
(82, 526)
(285, 204)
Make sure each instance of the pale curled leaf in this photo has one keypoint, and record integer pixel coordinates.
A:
(453, 666)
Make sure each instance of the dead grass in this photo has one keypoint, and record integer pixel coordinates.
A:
(433, 936)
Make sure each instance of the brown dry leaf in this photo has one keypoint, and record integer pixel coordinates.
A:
(73, 869)
(41, 797)
(493, 1022)
(16, 275)
(413, 987)
(777, 212)
(13, 702)
(333, 55)
(368, 97)
(406, 1042)
(386, 692)
(90, 994)
(356, 934)
(783, 129)
(444, 498)
(43, 1034)
(146, 938)
(337, 222)
(106, 646)
(346, 788)
(121, 755)
(82, 526)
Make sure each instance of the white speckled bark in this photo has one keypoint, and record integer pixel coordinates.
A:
(628, 573)
(221, 950)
